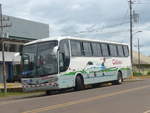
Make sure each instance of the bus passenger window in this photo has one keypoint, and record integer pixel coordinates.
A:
(87, 49)
(105, 50)
(96, 49)
(113, 50)
(126, 51)
(120, 51)
(75, 48)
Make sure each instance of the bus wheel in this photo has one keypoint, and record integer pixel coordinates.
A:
(79, 83)
(119, 80)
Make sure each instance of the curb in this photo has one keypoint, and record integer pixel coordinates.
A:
(137, 78)
(132, 80)
(12, 87)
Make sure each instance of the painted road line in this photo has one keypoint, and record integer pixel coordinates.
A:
(57, 106)
(147, 111)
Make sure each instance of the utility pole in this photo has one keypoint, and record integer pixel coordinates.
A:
(139, 59)
(3, 57)
(2, 26)
(1, 19)
(131, 31)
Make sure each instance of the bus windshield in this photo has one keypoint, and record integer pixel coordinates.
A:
(40, 59)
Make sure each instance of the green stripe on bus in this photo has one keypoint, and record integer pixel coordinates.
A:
(73, 73)
(105, 70)
(125, 69)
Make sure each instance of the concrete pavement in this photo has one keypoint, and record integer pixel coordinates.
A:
(130, 97)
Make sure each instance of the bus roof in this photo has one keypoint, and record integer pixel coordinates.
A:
(73, 38)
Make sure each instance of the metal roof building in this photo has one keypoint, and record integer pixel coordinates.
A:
(25, 29)
(20, 32)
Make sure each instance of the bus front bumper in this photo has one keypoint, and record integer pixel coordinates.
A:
(40, 87)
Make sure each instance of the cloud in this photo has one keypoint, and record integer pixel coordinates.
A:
(101, 19)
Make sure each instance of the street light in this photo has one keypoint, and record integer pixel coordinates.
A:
(139, 53)
(137, 32)
(139, 60)
(131, 47)
(138, 49)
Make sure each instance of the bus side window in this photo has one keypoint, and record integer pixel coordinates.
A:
(75, 48)
(96, 49)
(87, 49)
(120, 50)
(64, 55)
(105, 51)
(113, 50)
(126, 51)
(82, 49)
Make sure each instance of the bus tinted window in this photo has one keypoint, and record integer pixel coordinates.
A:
(65, 60)
(105, 50)
(126, 51)
(96, 49)
(113, 50)
(87, 49)
(46, 59)
(120, 51)
(75, 48)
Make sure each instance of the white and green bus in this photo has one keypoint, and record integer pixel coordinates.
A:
(68, 62)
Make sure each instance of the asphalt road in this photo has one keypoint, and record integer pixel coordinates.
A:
(130, 97)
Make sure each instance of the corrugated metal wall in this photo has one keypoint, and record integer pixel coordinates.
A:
(27, 29)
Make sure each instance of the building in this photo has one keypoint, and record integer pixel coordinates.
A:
(144, 65)
(20, 32)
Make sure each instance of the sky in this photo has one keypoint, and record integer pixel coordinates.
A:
(96, 19)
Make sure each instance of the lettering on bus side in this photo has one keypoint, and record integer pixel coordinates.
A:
(116, 62)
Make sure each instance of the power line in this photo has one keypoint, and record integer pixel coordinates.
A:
(142, 2)
(98, 30)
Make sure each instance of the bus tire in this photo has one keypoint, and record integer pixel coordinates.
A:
(79, 83)
(119, 79)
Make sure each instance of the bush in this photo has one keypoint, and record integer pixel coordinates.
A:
(148, 73)
(137, 74)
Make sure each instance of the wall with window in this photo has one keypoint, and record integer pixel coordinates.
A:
(11, 47)
(10, 60)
